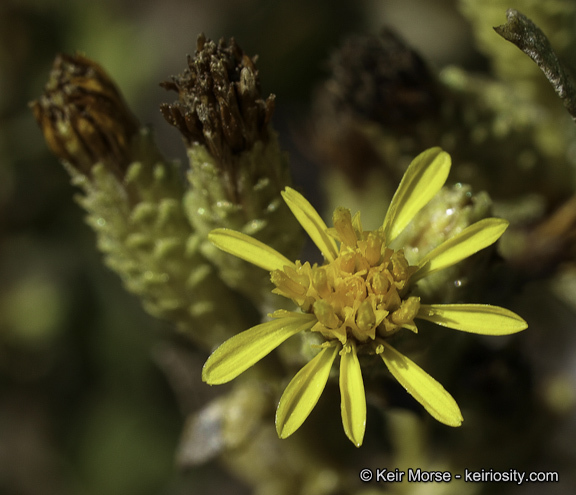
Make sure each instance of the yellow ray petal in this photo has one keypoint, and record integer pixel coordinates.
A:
(352, 396)
(420, 385)
(249, 249)
(422, 180)
(471, 240)
(240, 352)
(311, 222)
(474, 318)
(303, 392)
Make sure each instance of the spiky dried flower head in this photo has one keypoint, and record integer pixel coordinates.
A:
(219, 100)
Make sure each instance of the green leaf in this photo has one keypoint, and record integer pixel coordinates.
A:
(303, 392)
(424, 177)
(474, 318)
(249, 249)
(311, 222)
(420, 385)
(353, 398)
(471, 240)
(240, 352)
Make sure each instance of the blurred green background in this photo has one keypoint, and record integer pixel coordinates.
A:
(85, 407)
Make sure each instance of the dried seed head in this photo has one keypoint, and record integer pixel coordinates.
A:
(219, 105)
(84, 117)
(381, 79)
(376, 82)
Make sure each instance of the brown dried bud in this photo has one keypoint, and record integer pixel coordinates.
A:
(84, 117)
(381, 79)
(374, 80)
(219, 105)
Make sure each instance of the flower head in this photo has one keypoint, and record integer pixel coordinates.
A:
(356, 299)
(219, 100)
(84, 117)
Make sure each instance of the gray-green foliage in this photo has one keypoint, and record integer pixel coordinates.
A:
(554, 17)
(528, 123)
(258, 210)
(146, 238)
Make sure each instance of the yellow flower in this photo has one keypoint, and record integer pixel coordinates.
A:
(358, 298)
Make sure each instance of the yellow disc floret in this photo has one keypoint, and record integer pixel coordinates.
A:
(358, 295)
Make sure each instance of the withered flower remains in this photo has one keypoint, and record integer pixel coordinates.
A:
(84, 117)
(237, 168)
(220, 105)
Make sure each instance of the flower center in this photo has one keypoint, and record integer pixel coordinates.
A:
(359, 294)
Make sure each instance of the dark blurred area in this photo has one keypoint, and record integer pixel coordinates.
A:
(85, 407)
